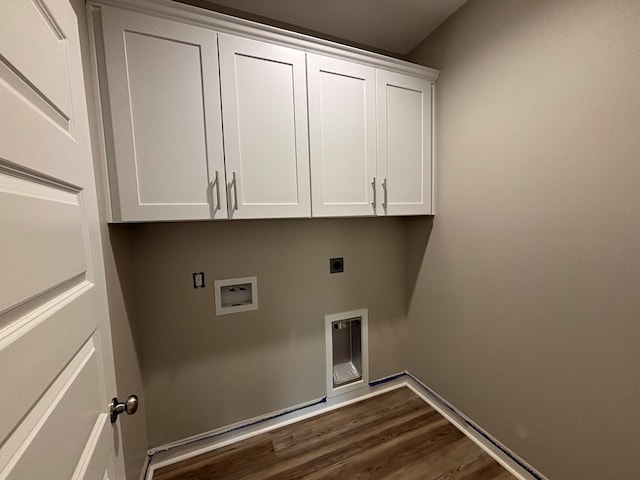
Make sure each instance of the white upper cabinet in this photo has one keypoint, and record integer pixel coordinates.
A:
(164, 104)
(404, 144)
(342, 128)
(264, 108)
(211, 117)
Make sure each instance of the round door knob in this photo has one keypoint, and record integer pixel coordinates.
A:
(130, 406)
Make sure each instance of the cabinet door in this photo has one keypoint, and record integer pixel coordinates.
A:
(264, 108)
(342, 137)
(164, 104)
(404, 144)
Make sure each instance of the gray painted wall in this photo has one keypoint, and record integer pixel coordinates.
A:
(526, 305)
(203, 371)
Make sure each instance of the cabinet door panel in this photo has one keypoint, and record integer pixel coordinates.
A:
(265, 119)
(342, 136)
(164, 97)
(404, 143)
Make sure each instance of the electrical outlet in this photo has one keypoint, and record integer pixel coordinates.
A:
(198, 280)
(336, 265)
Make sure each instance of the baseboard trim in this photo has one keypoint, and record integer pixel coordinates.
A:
(187, 448)
(509, 460)
(193, 446)
(145, 467)
(388, 379)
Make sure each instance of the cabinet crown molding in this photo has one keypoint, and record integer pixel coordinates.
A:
(245, 28)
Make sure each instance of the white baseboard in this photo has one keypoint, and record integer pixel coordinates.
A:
(510, 461)
(193, 446)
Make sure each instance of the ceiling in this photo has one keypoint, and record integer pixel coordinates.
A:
(387, 26)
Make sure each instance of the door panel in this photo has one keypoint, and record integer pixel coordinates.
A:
(56, 364)
(256, 107)
(42, 446)
(342, 137)
(96, 453)
(165, 107)
(26, 107)
(265, 128)
(404, 143)
(44, 223)
(54, 331)
(39, 58)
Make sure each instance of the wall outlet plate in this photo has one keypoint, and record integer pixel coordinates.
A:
(198, 280)
(336, 265)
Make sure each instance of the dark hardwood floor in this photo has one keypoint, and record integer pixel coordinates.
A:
(395, 435)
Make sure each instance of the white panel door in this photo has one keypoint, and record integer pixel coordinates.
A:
(404, 144)
(342, 133)
(164, 94)
(264, 109)
(56, 365)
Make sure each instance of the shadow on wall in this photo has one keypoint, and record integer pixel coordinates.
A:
(125, 339)
(119, 242)
(418, 235)
(239, 13)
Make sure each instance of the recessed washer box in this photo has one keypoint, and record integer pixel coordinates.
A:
(234, 295)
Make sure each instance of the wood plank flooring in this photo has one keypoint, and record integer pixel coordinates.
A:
(395, 435)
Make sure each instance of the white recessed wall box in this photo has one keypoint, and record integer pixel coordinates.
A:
(347, 341)
(235, 295)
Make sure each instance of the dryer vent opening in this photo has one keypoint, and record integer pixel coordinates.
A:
(347, 351)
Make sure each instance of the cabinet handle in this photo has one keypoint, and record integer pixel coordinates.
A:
(235, 192)
(384, 198)
(375, 200)
(217, 182)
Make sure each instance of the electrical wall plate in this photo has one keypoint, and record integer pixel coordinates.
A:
(235, 295)
(336, 265)
(198, 280)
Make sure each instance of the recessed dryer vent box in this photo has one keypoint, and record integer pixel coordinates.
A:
(347, 351)
(235, 295)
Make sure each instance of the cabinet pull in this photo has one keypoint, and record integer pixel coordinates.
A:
(384, 198)
(235, 192)
(375, 201)
(217, 183)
